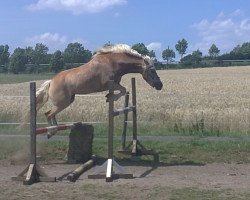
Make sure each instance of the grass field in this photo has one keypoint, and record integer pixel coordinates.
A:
(212, 101)
(20, 78)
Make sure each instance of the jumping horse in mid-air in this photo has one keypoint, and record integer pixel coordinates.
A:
(109, 63)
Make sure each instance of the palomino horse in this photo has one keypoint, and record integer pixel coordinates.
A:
(109, 63)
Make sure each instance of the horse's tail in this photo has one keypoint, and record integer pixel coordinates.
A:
(42, 94)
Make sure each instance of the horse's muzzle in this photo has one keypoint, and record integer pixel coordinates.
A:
(158, 85)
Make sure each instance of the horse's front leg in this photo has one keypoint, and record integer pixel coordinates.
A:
(115, 97)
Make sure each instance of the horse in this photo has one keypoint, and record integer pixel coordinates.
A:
(108, 63)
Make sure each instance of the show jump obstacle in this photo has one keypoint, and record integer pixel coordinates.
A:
(33, 173)
(137, 148)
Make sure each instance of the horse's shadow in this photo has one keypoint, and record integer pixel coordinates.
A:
(138, 162)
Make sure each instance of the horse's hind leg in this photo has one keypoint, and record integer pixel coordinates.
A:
(50, 115)
(50, 123)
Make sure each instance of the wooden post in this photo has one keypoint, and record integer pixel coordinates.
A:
(33, 172)
(109, 171)
(125, 122)
(111, 163)
(137, 148)
(134, 147)
(111, 120)
(32, 175)
(33, 123)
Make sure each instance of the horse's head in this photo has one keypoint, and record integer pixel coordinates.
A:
(149, 74)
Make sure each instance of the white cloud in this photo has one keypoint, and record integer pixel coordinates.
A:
(155, 46)
(225, 31)
(79, 40)
(53, 40)
(47, 38)
(76, 6)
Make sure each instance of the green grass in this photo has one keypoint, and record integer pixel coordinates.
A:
(101, 130)
(19, 78)
(170, 153)
(173, 153)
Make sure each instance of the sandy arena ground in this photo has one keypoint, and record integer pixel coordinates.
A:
(150, 182)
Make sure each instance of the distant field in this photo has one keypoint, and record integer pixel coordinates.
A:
(20, 78)
(210, 101)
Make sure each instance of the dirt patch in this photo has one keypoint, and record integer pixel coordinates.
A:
(150, 182)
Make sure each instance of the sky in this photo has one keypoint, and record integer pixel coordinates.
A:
(156, 23)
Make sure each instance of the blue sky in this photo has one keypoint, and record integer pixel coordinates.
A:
(156, 23)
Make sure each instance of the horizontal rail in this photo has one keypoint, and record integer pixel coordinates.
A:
(123, 110)
(44, 123)
(78, 95)
(54, 128)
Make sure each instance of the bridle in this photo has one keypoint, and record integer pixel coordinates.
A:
(151, 74)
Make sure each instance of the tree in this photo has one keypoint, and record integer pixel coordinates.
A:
(4, 54)
(241, 52)
(181, 47)
(18, 60)
(168, 55)
(213, 51)
(75, 53)
(57, 62)
(87, 55)
(192, 60)
(141, 48)
(29, 51)
(40, 54)
(197, 56)
(151, 54)
(108, 44)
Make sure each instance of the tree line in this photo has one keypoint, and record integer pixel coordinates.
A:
(38, 60)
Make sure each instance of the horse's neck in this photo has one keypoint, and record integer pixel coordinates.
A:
(127, 68)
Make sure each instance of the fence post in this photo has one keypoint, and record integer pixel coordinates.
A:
(134, 147)
(33, 173)
(33, 123)
(111, 120)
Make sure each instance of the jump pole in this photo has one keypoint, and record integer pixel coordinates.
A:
(59, 127)
(33, 173)
(74, 175)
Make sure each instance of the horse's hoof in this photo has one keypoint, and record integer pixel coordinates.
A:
(108, 97)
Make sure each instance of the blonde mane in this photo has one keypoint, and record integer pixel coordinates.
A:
(122, 48)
